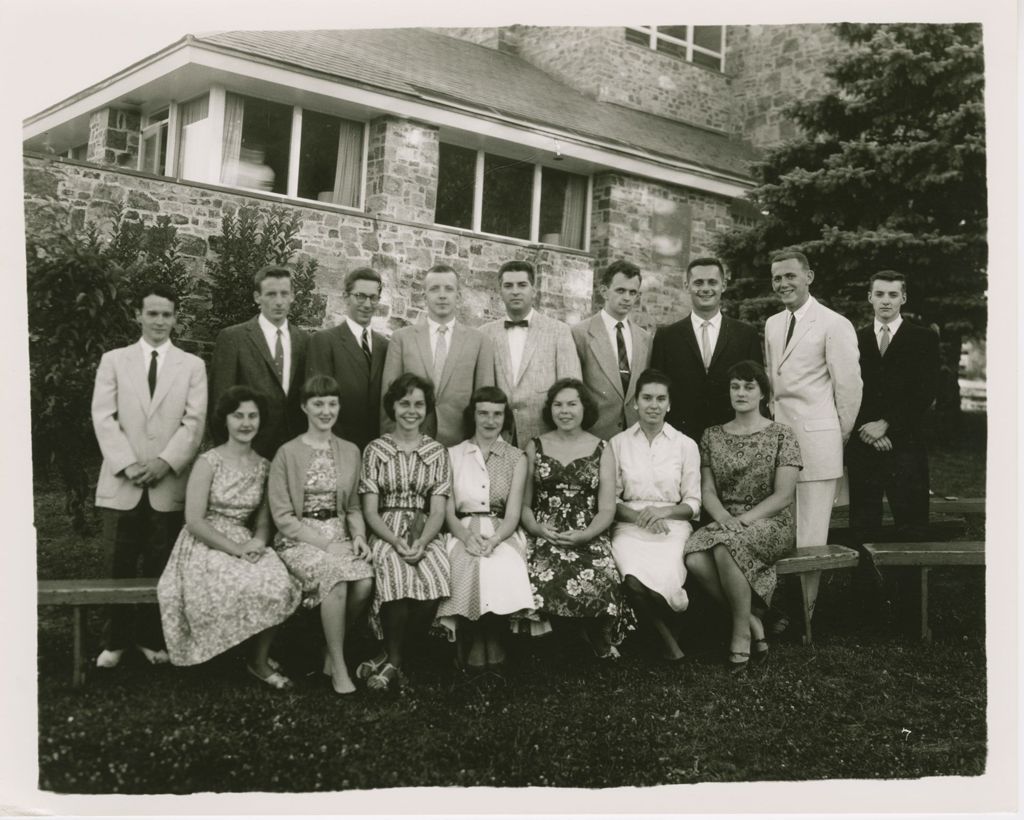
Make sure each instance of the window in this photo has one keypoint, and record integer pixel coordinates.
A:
(153, 148)
(79, 151)
(703, 45)
(194, 144)
(493, 194)
(330, 159)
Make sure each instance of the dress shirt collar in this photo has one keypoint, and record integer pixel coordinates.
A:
(161, 351)
(270, 329)
(499, 447)
(435, 326)
(715, 322)
(894, 325)
(802, 310)
(667, 431)
(610, 321)
(357, 331)
(528, 318)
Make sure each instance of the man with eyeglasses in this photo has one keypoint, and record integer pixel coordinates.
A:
(353, 355)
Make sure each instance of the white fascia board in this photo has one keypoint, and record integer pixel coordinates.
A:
(629, 161)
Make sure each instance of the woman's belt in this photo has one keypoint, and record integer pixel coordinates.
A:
(402, 509)
(321, 515)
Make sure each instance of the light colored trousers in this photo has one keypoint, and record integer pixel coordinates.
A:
(814, 500)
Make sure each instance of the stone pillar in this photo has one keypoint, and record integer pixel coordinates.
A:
(114, 137)
(401, 170)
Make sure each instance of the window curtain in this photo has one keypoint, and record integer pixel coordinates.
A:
(231, 140)
(191, 151)
(573, 210)
(346, 174)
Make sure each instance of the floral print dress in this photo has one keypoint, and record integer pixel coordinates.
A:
(582, 581)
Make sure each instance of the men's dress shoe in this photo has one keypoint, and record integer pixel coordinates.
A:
(109, 658)
(155, 656)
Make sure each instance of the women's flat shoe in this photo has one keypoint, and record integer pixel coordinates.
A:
(275, 680)
(759, 652)
(109, 658)
(156, 657)
(737, 668)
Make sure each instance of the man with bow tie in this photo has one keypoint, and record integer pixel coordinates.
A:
(531, 351)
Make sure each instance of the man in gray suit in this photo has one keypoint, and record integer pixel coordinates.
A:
(614, 350)
(531, 351)
(456, 358)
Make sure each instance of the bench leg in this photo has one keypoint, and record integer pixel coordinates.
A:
(78, 673)
(808, 594)
(926, 633)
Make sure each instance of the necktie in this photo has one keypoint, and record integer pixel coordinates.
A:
(883, 341)
(516, 323)
(152, 373)
(365, 344)
(279, 357)
(620, 343)
(789, 333)
(705, 344)
(440, 353)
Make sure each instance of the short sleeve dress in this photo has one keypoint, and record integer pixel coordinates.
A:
(210, 600)
(744, 469)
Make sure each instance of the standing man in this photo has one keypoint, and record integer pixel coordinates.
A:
(267, 354)
(900, 367)
(148, 408)
(531, 351)
(614, 350)
(353, 355)
(812, 362)
(456, 358)
(697, 351)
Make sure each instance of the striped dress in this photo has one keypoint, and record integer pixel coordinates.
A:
(404, 482)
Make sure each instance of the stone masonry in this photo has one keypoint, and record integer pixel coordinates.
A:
(114, 137)
(401, 169)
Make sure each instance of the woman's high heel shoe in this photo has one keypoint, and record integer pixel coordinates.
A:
(737, 668)
(759, 652)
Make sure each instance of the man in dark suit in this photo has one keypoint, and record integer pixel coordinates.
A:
(697, 351)
(899, 364)
(353, 355)
(267, 354)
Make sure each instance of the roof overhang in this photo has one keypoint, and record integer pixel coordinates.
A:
(188, 68)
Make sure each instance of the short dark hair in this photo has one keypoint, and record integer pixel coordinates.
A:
(486, 395)
(400, 388)
(888, 276)
(783, 255)
(319, 385)
(441, 267)
(750, 371)
(516, 265)
(362, 275)
(270, 272)
(651, 376)
(155, 289)
(627, 269)
(228, 402)
(586, 399)
(702, 261)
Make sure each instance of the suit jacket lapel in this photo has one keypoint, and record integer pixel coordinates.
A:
(533, 335)
(138, 376)
(422, 335)
(801, 329)
(294, 367)
(352, 349)
(691, 340)
(724, 335)
(457, 347)
(607, 358)
(503, 359)
(641, 347)
(168, 373)
(259, 341)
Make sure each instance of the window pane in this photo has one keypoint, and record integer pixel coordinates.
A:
(330, 159)
(709, 37)
(456, 175)
(508, 194)
(707, 60)
(640, 37)
(669, 47)
(266, 139)
(679, 32)
(562, 208)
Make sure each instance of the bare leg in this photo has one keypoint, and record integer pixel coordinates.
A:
(332, 615)
(259, 651)
(476, 656)
(701, 565)
(737, 593)
(650, 607)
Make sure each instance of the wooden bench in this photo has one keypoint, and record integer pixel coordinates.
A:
(808, 561)
(925, 555)
(91, 592)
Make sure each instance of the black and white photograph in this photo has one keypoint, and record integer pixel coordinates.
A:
(511, 412)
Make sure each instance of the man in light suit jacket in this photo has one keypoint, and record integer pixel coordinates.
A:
(456, 358)
(267, 354)
(148, 408)
(531, 351)
(697, 351)
(813, 364)
(614, 350)
(353, 355)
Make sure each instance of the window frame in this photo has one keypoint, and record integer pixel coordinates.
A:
(654, 36)
(157, 125)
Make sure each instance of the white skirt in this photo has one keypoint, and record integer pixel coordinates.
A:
(656, 561)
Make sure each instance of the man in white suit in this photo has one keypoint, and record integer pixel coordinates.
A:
(148, 408)
(531, 351)
(455, 358)
(614, 350)
(814, 367)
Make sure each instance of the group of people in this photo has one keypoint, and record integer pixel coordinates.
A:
(523, 474)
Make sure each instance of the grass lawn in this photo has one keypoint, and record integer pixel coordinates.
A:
(863, 702)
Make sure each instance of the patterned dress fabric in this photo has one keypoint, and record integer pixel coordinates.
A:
(744, 470)
(578, 582)
(498, 582)
(210, 600)
(317, 570)
(404, 482)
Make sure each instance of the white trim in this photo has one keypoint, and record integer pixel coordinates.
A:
(478, 192)
(587, 213)
(363, 172)
(216, 115)
(633, 161)
(171, 169)
(535, 203)
(294, 146)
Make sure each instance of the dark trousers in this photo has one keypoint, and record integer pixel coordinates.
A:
(900, 474)
(138, 543)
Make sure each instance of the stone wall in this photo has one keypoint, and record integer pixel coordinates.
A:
(401, 169)
(114, 135)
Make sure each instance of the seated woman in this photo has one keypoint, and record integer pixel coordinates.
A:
(405, 483)
(321, 535)
(568, 506)
(486, 549)
(659, 494)
(749, 468)
(221, 585)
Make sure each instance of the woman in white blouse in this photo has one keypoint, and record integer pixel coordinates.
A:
(486, 547)
(658, 495)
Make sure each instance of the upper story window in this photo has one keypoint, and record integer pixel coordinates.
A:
(488, 193)
(703, 45)
(153, 144)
